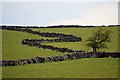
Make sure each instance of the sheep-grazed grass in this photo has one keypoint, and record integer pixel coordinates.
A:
(84, 33)
(80, 68)
(13, 49)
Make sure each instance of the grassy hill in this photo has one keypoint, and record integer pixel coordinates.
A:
(13, 49)
(84, 33)
(80, 68)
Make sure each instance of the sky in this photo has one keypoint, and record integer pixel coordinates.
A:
(59, 13)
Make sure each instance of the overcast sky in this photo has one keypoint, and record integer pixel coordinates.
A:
(55, 13)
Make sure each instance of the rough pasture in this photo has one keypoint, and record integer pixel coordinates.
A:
(79, 68)
(74, 55)
(11, 43)
(84, 33)
(97, 67)
(61, 38)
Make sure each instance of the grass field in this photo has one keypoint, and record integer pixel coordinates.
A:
(12, 48)
(84, 33)
(80, 68)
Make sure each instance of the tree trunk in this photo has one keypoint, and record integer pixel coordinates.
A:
(94, 49)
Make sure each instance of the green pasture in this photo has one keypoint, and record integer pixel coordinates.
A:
(80, 68)
(12, 48)
(84, 33)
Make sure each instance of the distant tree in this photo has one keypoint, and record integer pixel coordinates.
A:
(99, 39)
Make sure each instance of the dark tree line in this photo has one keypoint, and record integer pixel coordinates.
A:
(60, 26)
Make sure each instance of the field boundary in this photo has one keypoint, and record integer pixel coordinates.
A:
(72, 54)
